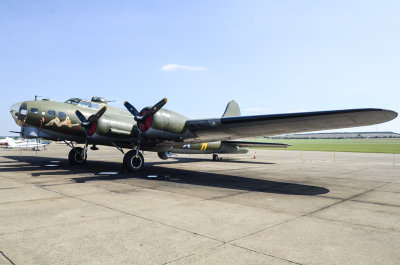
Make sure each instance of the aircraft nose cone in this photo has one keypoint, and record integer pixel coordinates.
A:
(19, 112)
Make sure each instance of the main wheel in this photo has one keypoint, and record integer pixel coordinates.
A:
(132, 162)
(75, 157)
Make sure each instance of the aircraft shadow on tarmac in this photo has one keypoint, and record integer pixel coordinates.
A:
(156, 172)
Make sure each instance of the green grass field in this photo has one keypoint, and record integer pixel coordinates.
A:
(362, 145)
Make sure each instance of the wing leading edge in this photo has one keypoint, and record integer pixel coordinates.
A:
(227, 128)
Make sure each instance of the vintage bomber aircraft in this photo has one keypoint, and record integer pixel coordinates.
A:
(164, 131)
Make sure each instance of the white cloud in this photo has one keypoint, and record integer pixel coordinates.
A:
(175, 67)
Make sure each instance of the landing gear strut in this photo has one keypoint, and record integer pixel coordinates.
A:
(75, 156)
(133, 162)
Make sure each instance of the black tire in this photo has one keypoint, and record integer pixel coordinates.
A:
(133, 163)
(215, 157)
(75, 158)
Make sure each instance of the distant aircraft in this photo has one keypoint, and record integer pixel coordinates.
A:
(3, 141)
(34, 145)
(166, 132)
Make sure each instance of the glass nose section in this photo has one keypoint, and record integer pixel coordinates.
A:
(19, 112)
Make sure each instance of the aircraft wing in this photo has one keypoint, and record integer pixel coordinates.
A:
(227, 128)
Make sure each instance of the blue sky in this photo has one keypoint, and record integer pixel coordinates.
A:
(270, 56)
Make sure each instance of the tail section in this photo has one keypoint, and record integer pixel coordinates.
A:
(232, 109)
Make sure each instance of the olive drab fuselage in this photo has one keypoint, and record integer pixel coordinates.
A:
(58, 121)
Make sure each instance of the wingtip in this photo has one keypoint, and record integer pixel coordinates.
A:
(165, 99)
(391, 114)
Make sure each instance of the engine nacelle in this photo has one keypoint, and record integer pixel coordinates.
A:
(168, 121)
(164, 155)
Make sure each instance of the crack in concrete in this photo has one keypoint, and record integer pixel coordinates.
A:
(353, 224)
(10, 188)
(343, 200)
(56, 225)
(181, 258)
(33, 200)
(251, 250)
(7, 258)
(267, 228)
(265, 254)
(377, 203)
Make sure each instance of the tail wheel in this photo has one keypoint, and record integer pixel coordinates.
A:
(132, 162)
(215, 157)
(75, 156)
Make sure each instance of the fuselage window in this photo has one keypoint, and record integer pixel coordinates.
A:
(34, 110)
(62, 115)
(51, 113)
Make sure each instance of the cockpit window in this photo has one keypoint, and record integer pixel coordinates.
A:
(34, 110)
(87, 104)
(73, 101)
(84, 104)
(51, 113)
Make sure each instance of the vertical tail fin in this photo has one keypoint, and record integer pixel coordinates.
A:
(232, 109)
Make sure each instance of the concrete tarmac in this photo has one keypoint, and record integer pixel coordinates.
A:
(284, 207)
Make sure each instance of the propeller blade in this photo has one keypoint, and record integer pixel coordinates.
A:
(81, 117)
(95, 117)
(153, 110)
(131, 109)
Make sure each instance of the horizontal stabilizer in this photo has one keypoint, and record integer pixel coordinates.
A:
(256, 144)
